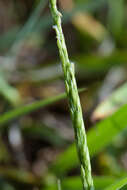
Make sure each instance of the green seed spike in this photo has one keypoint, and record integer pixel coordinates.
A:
(74, 101)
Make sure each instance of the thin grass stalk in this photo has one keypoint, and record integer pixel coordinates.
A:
(74, 101)
(59, 184)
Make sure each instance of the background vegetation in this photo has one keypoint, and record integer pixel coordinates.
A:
(36, 136)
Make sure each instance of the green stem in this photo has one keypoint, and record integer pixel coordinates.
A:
(59, 185)
(74, 101)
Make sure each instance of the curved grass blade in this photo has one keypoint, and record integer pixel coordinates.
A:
(11, 115)
(74, 183)
(26, 109)
(111, 103)
(9, 92)
(99, 137)
(118, 185)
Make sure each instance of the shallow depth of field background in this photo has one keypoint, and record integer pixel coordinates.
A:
(37, 148)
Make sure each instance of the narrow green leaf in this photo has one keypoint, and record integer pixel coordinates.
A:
(112, 103)
(26, 109)
(9, 92)
(99, 136)
(11, 115)
(74, 183)
(124, 187)
(116, 16)
(118, 185)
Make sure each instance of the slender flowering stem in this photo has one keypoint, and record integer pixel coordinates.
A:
(74, 101)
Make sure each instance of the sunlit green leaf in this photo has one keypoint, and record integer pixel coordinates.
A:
(100, 136)
(74, 183)
(112, 103)
(117, 185)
